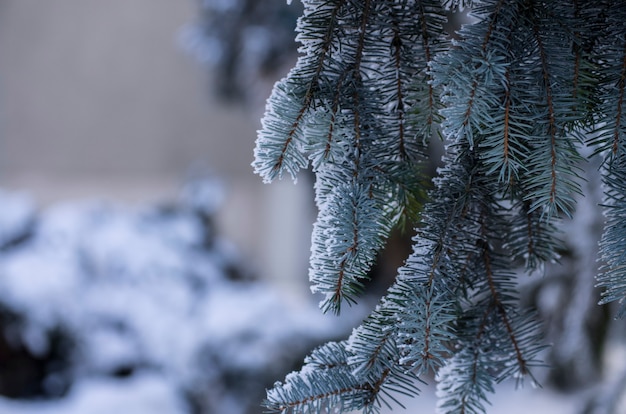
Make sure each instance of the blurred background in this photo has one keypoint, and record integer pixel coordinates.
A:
(102, 99)
(145, 269)
(136, 241)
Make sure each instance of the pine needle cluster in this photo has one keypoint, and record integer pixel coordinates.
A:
(523, 88)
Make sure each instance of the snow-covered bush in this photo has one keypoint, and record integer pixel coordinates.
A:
(151, 289)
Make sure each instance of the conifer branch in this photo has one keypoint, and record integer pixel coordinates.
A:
(531, 239)
(357, 135)
(507, 112)
(550, 179)
(530, 251)
(359, 81)
(552, 128)
(500, 308)
(613, 272)
(612, 277)
(361, 43)
(428, 59)
(578, 50)
(333, 118)
(281, 125)
(396, 44)
(621, 85)
(336, 299)
(474, 87)
(516, 91)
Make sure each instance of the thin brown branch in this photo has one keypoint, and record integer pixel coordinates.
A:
(338, 294)
(507, 113)
(497, 301)
(351, 250)
(376, 386)
(358, 80)
(620, 101)
(370, 388)
(340, 391)
(529, 227)
(333, 116)
(495, 296)
(357, 134)
(428, 56)
(552, 127)
(372, 359)
(397, 55)
(308, 99)
(488, 33)
(577, 56)
(362, 29)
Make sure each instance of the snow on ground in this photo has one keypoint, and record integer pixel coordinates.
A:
(506, 400)
(152, 292)
(153, 394)
(145, 394)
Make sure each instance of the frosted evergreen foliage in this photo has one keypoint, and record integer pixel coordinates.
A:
(517, 95)
(353, 109)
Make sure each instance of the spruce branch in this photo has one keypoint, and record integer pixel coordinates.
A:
(471, 60)
(553, 180)
(613, 272)
(396, 44)
(621, 85)
(426, 37)
(513, 98)
(608, 140)
(552, 128)
(279, 145)
(531, 239)
(348, 135)
(500, 306)
(349, 228)
(326, 383)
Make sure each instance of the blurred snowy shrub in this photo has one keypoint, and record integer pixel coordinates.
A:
(153, 289)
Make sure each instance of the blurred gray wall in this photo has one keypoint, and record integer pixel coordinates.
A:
(98, 100)
(99, 87)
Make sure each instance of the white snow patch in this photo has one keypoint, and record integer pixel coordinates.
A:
(141, 394)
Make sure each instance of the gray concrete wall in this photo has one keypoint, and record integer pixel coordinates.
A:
(97, 99)
(100, 87)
